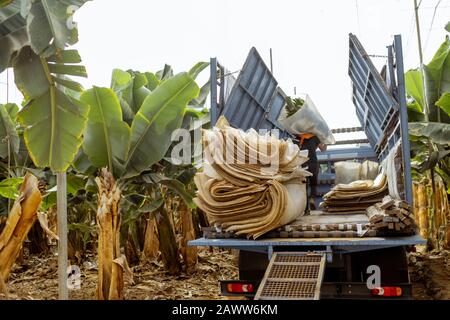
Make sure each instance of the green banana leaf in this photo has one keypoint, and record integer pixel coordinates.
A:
(152, 206)
(152, 81)
(437, 80)
(43, 24)
(82, 164)
(414, 86)
(8, 135)
(120, 80)
(130, 87)
(107, 136)
(444, 103)
(8, 188)
(415, 113)
(165, 73)
(13, 32)
(199, 102)
(160, 114)
(199, 67)
(140, 91)
(12, 110)
(180, 189)
(75, 183)
(438, 132)
(48, 25)
(174, 184)
(5, 2)
(53, 121)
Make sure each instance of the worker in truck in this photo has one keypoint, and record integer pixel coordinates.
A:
(310, 142)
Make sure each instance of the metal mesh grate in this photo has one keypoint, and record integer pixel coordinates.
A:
(294, 271)
(283, 289)
(296, 258)
(292, 276)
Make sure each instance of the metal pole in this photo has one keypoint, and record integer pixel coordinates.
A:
(271, 64)
(213, 91)
(61, 202)
(403, 119)
(419, 43)
(7, 85)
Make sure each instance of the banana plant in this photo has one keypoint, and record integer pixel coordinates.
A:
(147, 107)
(125, 150)
(42, 24)
(54, 122)
(129, 144)
(430, 140)
(33, 38)
(132, 87)
(437, 84)
(436, 96)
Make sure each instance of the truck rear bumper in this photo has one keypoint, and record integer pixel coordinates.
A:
(330, 290)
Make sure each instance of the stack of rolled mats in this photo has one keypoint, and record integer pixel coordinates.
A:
(250, 183)
(355, 197)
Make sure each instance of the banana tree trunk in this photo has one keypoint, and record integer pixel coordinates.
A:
(167, 242)
(110, 261)
(151, 242)
(422, 205)
(20, 220)
(187, 233)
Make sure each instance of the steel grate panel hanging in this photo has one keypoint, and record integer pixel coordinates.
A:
(290, 275)
(255, 101)
(375, 105)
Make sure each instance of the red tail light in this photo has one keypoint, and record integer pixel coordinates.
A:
(387, 291)
(239, 288)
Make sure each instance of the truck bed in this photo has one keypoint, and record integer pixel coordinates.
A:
(244, 244)
(317, 217)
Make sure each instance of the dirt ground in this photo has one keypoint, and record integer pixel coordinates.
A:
(430, 275)
(36, 278)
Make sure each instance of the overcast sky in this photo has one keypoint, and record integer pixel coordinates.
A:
(309, 39)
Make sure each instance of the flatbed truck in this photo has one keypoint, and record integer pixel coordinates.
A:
(348, 264)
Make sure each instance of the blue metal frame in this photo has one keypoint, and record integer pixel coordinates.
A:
(255, 101)
(336, 243)
(403, 118)
(344, 242)
(213, 90)
(381, 106)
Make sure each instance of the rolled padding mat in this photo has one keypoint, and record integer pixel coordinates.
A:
(250, 183)
(356, 196)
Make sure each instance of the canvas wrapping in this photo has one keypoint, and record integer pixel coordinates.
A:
(349, 171)
(308, 120)
(394, 171)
